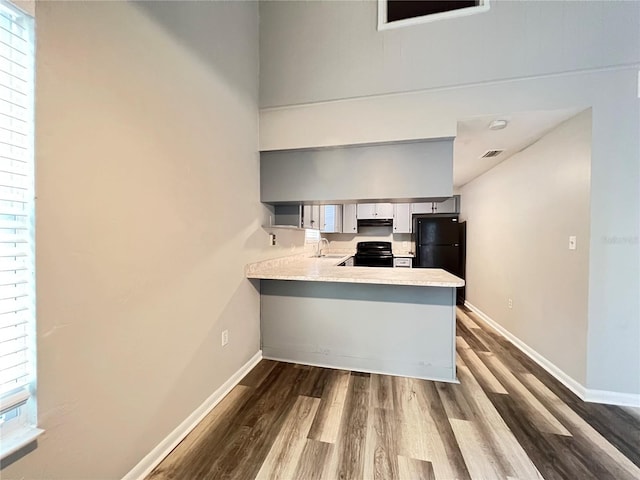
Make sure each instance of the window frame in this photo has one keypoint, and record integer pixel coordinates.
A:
(383, 24)
(18, 412)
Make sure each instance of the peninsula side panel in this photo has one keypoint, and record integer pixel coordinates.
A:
(392, 329)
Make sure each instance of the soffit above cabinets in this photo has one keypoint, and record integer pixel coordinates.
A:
(381, 172)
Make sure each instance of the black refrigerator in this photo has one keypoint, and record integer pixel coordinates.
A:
(440, 243)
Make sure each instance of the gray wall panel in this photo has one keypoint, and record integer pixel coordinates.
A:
(392, 171)
(394, 329)
(319, 51)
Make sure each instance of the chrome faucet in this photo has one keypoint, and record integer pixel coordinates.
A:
(319, 246)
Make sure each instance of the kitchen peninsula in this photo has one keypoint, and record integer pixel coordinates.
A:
(397, 321)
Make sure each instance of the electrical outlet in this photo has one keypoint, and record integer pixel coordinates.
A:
(272, 239)
(225, 337)
(510, 303)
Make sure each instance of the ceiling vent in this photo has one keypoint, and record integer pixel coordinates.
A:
(491, 153)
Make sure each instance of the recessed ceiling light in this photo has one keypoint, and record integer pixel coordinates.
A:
(498, 124)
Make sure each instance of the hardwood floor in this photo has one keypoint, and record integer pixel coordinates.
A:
(507, 419)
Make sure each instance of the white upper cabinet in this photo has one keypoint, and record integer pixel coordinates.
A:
(368, 211)
(450, 205)
(331, 218)
(286, 216)
(349, 218)
(311, 216)
(326, 218)
(422, 207)
(402, 218)
(384, 210)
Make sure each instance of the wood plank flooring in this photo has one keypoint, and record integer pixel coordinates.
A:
(507, 419)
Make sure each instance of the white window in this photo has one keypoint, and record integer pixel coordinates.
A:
(17, 252)
(404, 13)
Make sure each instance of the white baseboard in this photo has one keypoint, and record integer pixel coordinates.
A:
(612, 398)
(562, 377)
(588, 395)
(155, 456)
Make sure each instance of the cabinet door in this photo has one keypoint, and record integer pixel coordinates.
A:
(422, 208)
(311, 216)
(306, 216)
(331, 218)
(450, 205)
(287, 215)
(402, 218)
(384, 210)
(405, 262)
(366, 210)
(349, 218)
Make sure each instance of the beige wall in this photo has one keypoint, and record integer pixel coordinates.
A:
(519, 218)
(147, 211)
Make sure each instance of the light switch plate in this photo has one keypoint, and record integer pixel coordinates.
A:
(572, 242)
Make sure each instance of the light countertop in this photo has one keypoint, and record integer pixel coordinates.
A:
(325, 269)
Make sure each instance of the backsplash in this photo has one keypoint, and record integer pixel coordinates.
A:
(401, 242)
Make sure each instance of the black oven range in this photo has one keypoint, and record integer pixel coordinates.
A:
(373, 254)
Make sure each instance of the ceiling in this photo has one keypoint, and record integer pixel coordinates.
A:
(474, 138)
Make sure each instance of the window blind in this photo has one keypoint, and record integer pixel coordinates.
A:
(17, 278)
